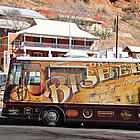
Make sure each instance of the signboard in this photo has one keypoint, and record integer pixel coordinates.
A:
(6, 61)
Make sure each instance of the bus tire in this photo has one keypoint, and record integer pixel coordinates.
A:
(52, 117)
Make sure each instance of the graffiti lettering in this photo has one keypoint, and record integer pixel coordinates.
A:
(123, 69)
(132, 81)
(73, 83)
(106, 73)
(135, 68)
(89, 80)
(54, 90)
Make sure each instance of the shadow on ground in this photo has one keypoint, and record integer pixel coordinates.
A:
(8, 121)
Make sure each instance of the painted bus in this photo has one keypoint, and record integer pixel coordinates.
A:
(63, 89)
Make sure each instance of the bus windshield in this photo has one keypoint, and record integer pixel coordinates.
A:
(16, 74)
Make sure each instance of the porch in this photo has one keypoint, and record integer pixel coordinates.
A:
(57, 46)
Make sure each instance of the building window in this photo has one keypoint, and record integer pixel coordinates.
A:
(38, 54)
(37, 42)
(2, 61)
(60, 54)
(0, 44)
(138, 56)
(37, 39)
(88, 43)
(16, 44)
(120, 55)
(5, 44)
(73, 42)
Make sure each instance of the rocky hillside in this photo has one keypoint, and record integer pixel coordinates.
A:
(47, 3)
(128, 11)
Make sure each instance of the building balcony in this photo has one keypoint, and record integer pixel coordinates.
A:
(58, 46)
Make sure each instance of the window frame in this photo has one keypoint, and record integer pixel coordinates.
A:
(56, 66)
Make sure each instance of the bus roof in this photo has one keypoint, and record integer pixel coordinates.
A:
(89, 59)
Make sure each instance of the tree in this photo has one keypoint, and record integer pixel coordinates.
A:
(14, 20)
(70, 10)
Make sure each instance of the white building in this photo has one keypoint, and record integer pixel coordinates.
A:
(112, 53)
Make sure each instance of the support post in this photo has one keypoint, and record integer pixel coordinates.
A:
(117, 37)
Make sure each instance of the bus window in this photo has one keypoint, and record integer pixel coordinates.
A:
(32, 78)
(68, 72)
(32, 74)
(15, 75)
(32, 83)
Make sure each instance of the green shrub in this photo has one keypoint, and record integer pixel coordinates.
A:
(128, 0)
(102, 34)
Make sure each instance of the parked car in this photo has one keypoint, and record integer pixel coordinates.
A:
(2, 81)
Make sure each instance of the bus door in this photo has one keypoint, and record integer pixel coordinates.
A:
(24, 82)
(32, 81)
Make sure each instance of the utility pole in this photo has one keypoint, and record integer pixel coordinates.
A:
(117, 37)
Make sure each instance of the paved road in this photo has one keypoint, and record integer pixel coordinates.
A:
(24, 130)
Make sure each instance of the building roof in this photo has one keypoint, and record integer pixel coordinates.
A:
(57, 28)
(90, 20)
(133, 48)
(10, 24)
(25, 12)
(81, 18)
(88, 59)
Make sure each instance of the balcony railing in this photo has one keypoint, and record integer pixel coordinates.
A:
(58, 46)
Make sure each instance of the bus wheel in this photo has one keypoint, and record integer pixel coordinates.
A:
(52, 117)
